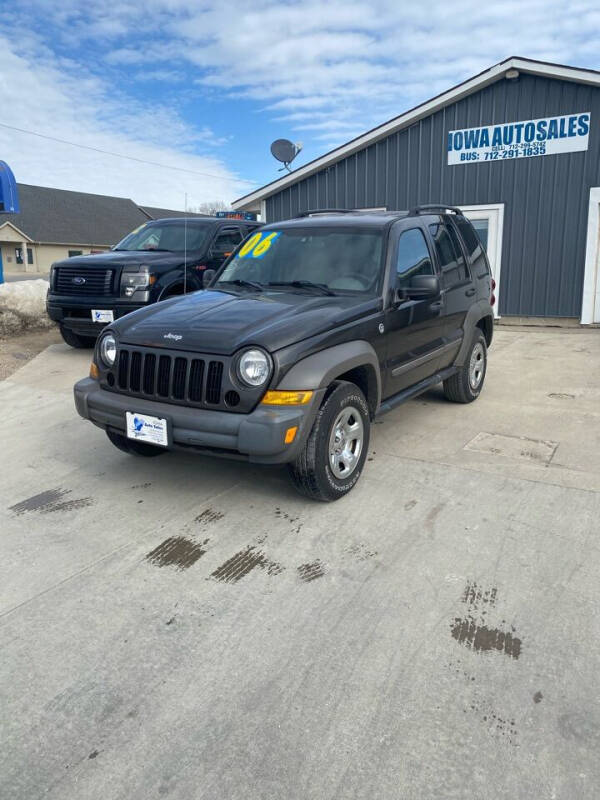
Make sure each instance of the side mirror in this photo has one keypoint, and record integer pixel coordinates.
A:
(207, 277)
(422, 286)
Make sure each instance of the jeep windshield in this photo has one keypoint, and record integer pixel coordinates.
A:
(317, 260)
(167, 236)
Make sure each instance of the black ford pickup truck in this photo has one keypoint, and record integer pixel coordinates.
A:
(312, 328)
(160, 259)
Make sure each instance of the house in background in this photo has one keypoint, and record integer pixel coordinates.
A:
(54, 224)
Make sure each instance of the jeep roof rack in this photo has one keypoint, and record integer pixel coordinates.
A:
(432, 208)
(325, 211)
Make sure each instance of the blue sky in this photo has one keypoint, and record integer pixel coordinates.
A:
(204, 87)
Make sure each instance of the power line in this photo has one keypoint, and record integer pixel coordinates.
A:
(130, 158)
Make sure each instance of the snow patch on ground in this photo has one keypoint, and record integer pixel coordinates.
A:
(23, 306)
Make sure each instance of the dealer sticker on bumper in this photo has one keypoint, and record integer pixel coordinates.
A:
(152, 430)
(98, 315)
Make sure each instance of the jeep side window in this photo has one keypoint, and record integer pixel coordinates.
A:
(468, 235)
(450, 256)
(474, 247)
(413, 257)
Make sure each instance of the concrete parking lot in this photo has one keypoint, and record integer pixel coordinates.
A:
(189, 628)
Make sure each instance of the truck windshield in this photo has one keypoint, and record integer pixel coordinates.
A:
(174, 237)
(338, 260)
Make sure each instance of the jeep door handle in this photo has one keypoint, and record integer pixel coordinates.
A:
(437, 306)
(470, 292)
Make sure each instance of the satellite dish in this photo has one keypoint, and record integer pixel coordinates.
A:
(285, 151)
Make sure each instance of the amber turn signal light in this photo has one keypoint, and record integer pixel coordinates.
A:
(287, 398)
(290, 434)
(94, 373)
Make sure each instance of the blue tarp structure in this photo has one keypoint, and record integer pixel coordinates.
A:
(9, 197)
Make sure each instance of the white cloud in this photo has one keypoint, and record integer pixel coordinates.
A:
(62, 100)
(331, 70)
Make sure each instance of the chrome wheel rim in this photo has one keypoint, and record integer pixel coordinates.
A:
(477, 366)
(346, 442)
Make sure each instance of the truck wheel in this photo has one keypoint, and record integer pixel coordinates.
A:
(333, 456)
(75, 340)
(132, 447)
(466, 384)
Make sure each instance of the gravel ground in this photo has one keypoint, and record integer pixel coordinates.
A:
(15, 351)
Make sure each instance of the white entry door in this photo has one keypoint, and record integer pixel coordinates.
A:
(488, 221)
(590, 308)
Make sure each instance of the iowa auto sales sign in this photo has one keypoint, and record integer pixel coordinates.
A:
(532, 137)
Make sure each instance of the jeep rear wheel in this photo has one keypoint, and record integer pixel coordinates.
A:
(333, 456)
(466, 384)
(75, 340)
(132, 447)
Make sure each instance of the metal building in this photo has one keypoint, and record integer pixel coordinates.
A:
(517, 147)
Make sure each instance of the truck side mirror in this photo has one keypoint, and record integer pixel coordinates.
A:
(207, 277)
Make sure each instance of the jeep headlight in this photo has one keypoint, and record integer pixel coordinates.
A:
(254, 367)
(108, 349)
(134, 278)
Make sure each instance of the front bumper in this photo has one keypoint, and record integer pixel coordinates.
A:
(258, 437)
(76, 313)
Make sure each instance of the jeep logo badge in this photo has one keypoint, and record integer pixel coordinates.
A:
(78, 281)
(175, 336)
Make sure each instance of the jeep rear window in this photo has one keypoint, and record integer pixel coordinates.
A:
(174, 237)
(348, 260)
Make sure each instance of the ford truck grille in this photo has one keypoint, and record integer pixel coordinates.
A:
(83, 281)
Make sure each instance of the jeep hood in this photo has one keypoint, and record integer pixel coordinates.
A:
(219, 322)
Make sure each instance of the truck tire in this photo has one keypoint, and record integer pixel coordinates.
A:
(132, 447)
(466, 384)
(75, 340)
(333, 456)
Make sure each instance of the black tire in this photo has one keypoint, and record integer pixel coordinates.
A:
(75, 340)
(132, 447)
(311, 472)
(466, 384)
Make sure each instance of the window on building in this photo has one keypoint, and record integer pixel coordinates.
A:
(19, 255)
(450, 256)
(413, 257)
(75, 253)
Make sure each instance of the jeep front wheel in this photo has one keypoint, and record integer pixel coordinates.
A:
(333, 456)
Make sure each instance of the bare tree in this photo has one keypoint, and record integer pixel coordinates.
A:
(210, 207)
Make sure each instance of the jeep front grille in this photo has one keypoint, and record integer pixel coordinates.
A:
(184, 378)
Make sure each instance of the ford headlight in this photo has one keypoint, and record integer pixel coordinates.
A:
(108, 349)
(254, 367)
(136, 278)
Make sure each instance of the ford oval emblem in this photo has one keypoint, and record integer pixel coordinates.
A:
(78, 281)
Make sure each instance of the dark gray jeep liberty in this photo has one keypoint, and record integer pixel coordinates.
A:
(312, 328)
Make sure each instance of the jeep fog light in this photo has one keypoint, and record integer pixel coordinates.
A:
(254, 367)
(108, 349)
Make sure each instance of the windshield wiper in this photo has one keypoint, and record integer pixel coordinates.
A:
(321, 287)
(240, 282)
